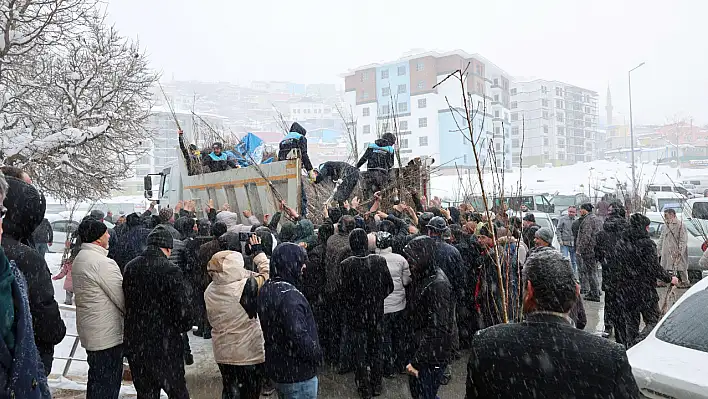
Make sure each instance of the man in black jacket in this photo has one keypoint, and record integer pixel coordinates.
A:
(378, 158)
(296, 140)
(366, 282)
(335, 171)
(545, 355)
(432, 319)
(25, 211)
(156, 315)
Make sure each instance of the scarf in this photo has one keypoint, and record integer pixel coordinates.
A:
(7, 306)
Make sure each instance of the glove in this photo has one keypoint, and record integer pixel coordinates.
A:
(312, 176)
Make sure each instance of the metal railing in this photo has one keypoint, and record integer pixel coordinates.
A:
(74, 346)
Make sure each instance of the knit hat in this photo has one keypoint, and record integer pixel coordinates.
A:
(166, 214)
(90, 230)
(160, 238)
(586, 206)
(545, 234)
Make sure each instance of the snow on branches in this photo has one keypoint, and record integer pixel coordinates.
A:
(74, 114)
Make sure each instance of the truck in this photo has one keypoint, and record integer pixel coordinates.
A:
(260, 188)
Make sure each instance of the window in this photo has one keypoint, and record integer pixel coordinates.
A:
(514, 116)
(559, 117)
(496, 97)
(477, 69)
(421, 85)
(544, 102)
(559, 91)
(384, 109)
(561, 156)
(403, 107)
(545, 141)
(403, 125)
(403, 144)
(365, 111)
(365, 76)
(366, 129)
(515, 143)
(498, 145)
(560, 130)
(384, 74)
(544, 89)
(561, 142)
(496, 82)
(423, 141)
(365, 95)
(386, 92)
(422, 122)
(545, 129)
(559, 104)
(422, 103)
(497, 130)
(496, 114)
(513, 91)
(419, 66)
(515, 131)
(514, 105)
(545, 114)
(401, 89)
(401, 70)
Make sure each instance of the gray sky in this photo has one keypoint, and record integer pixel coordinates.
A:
(585, 43)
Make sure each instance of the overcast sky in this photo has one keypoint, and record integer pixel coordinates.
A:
(584, 43)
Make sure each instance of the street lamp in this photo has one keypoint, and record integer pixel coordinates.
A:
(631, 127)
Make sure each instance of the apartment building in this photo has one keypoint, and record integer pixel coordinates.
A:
(411, 96)
(555, 123)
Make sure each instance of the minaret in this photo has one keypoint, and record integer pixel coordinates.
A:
(608, 107)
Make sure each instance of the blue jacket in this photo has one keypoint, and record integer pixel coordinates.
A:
(222, 157)
(292, 346)
(21, 371)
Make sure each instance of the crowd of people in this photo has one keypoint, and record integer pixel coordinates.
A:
(371, 291)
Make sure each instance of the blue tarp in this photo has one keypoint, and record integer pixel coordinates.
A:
(250, 150)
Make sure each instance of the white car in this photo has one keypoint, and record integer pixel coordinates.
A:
(544, 220)
(62, 229)
(672, 362)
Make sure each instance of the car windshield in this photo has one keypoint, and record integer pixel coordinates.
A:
(542, 221)
(563, 201)
(697, 227)
(687, 326)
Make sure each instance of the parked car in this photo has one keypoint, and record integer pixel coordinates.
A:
(672, 362)
(62, 228)
(697, 231)
(544, 220)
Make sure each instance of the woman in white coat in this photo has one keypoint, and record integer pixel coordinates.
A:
(237, 337)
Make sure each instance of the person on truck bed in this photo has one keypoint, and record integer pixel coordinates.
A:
(335, 171)
(217, 160)
(296, 139)
(191, 155)
(378, 158)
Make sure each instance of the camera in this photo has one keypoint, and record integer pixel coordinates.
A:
(243, 237)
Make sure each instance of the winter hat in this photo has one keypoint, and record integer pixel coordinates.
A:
(359, 242)
(25, 209)
(160, 238)
(639, 221)
(618, 209)
(166, 214)
(586, 206)
(390, 138)
(97, 214)
(90, 230)
(530, 217)
(545, 234)
(286, 262)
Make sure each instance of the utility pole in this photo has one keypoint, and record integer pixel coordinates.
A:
(631, 130)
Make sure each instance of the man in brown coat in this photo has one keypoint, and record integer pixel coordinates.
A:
(585, 249)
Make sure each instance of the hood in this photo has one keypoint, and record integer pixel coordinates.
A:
(615, 224)
(305, 232)
(297, 128)
(286, 262)
(204, 226)
(421, 253)
(325, 232)
(383, 143)
(133, 220)
(227, 267)
(267, 239)
(635, 233)
(287, 232)
(25, 209)
(359, 242)
(185, 227)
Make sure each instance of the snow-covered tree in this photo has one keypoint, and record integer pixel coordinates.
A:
(75, 99)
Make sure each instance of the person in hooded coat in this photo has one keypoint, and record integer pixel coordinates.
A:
(25, 207)
(366, 282)
(131, 240)
(338, 249)
(314, 278)
(305, 234)
(635, 281)
(156, 315)
(335, 171)
(237, 337)
(379, 159)
(186, 259)
(22, 373)
(432, 319)
(292, 349)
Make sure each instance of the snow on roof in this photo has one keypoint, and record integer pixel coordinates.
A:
(602, 175)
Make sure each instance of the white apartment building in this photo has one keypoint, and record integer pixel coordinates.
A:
(429, 125)
(555, 122)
